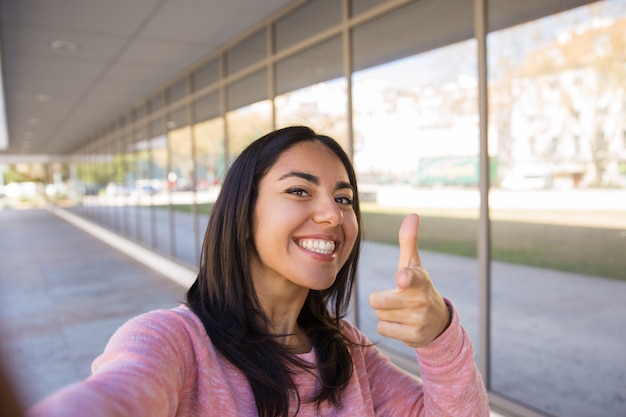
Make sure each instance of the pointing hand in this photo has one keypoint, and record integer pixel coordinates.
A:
(414, 312)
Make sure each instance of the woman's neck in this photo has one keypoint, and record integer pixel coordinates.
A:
(282, 310)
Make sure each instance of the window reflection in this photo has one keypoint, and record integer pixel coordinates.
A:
(246, 124)
(210, 167)
(321, 106)
(557, 117)
(210, 155)
(144, 188)
(181, 173)
(247, 53)
(416, 149)
(160, 169)
(313, 17)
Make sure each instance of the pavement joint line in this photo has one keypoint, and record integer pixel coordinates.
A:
(164, 266)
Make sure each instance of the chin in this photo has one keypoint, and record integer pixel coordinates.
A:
(321, 286)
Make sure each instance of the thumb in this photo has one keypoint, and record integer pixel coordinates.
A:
(407, 237)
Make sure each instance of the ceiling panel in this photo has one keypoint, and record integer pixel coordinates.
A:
(114, 17)
(164, 53)
(123, 50)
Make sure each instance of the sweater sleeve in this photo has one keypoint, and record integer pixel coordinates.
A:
(450, 384)
(140, 373)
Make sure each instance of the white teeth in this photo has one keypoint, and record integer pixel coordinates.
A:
(325, 247)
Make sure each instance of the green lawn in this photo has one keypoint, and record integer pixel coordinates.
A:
(585, 250)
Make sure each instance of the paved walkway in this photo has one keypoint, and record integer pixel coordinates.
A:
(62, 294)
(556, 343)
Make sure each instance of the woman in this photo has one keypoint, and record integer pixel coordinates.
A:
(262, 332)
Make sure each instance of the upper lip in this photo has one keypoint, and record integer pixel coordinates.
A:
(318, 236)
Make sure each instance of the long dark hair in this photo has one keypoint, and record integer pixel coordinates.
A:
(224, 299)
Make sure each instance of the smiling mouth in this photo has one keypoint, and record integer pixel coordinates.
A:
(324, 247)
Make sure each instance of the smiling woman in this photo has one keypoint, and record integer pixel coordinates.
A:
(263, 329)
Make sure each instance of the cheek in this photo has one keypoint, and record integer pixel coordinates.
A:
(269, 225)
(351, 229)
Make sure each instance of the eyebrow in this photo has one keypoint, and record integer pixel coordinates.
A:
(314, 179)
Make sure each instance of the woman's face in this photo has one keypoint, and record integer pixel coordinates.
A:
(304, 225)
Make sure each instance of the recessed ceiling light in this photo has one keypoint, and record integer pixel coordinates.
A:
(63, 46)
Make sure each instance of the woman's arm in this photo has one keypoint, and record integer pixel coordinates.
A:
(140, 373)
(450, 383)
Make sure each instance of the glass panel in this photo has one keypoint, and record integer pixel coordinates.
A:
(210, 155)
(127, 179)
(557, 88)
(247, 124)
(321, 63)
(143, 188)
(161, 199)
(182, 182)
(177, 118)
(105, 165)
(140, 112)
(93, 178)
(360, 6)
(412, 29)
(80, 180)
(206, 75)
(321, 106)
(180, 175)
(156, 103)
(309, 20)
(178, 91)
(248, 52)
(248, 90)
(210, 167)
(114, 190)
(416, 150)
(207, 107)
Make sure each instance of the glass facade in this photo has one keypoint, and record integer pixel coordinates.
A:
(556, 122)
(537, 176)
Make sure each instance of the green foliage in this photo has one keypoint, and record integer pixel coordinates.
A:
(10, 175)
(104, 172)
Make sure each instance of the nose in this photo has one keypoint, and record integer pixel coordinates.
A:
(328, 211)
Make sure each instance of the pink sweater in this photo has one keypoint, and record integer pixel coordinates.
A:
(163, 364)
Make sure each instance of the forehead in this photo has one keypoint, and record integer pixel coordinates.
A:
(311, 156)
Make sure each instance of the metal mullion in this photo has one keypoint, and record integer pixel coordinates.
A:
(271, 70)
(134, 140)
(170, 205)
(347, 72)
(150, 138)
(484, 243)
(224, 105)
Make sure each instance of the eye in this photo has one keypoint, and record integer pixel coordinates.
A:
(300, 192)
(344, 200)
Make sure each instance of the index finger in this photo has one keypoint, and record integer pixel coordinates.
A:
(407, 237)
